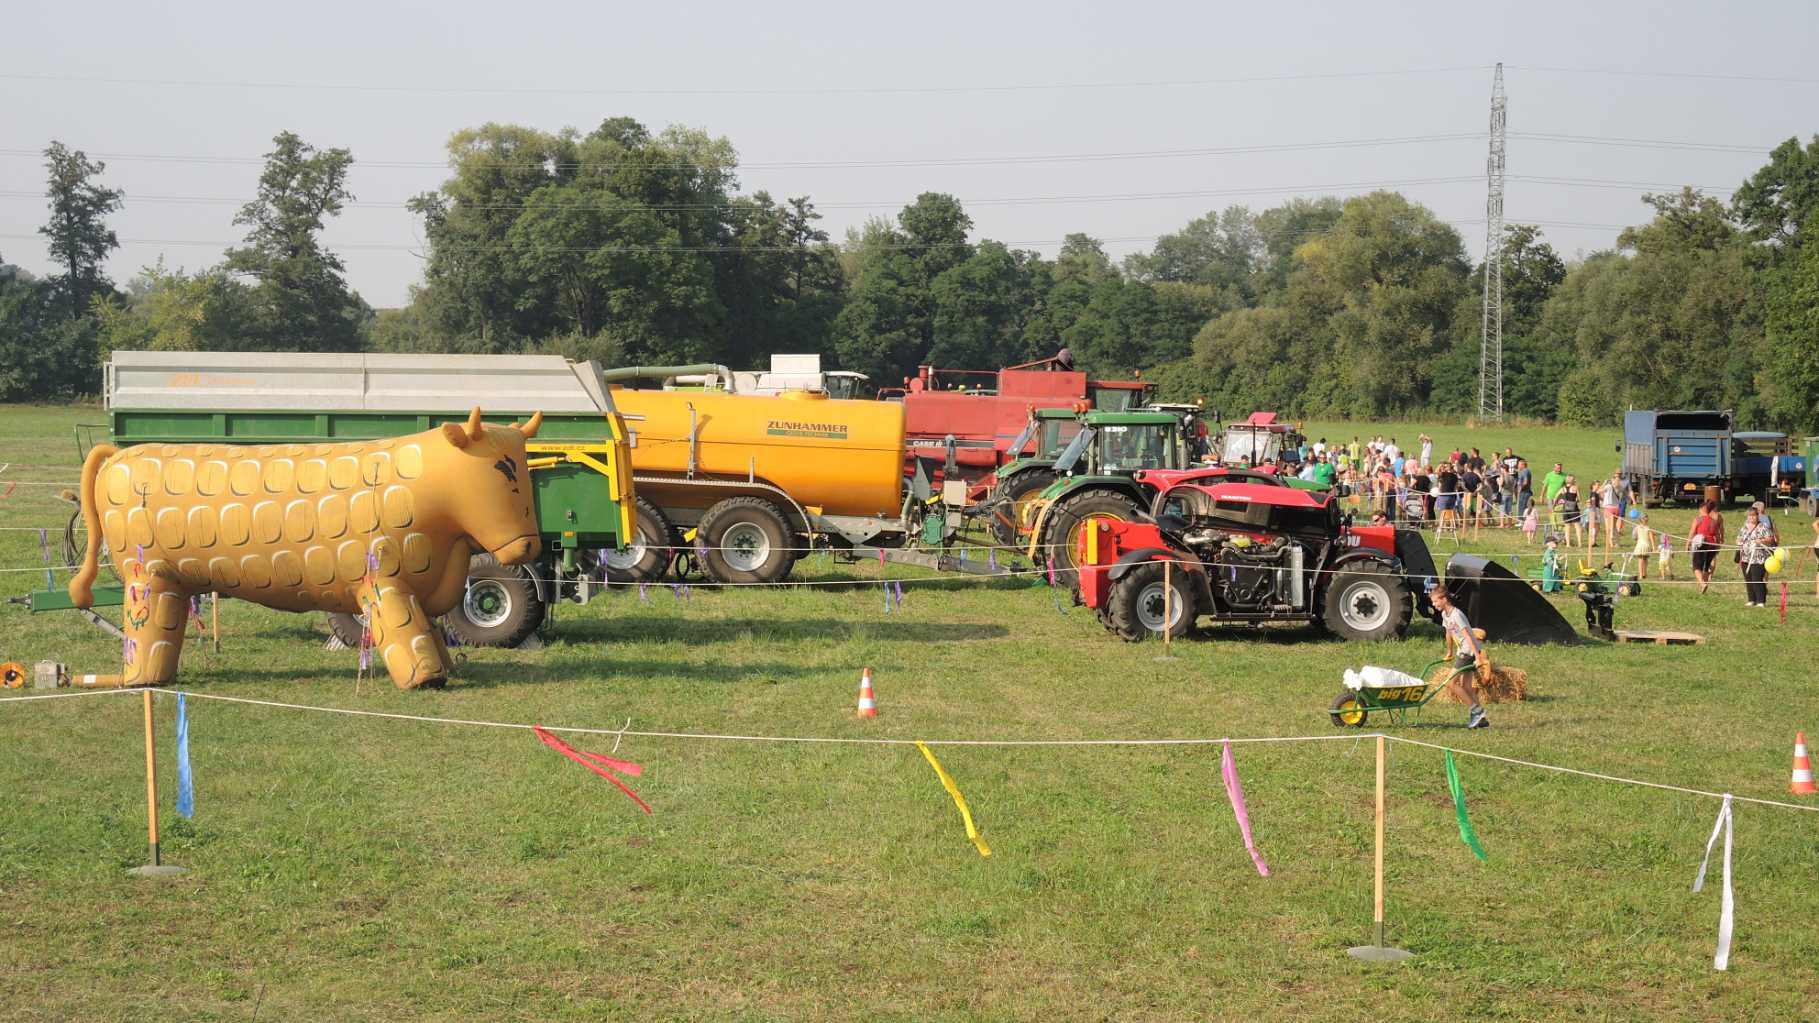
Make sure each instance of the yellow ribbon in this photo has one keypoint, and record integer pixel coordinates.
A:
(959, 800)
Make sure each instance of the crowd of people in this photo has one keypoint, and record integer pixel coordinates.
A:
(1464, 489)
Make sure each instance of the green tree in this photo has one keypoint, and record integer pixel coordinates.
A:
(174, 311)
(887, 327)
(1223, 250)
(301, 302)
(1782, 196)
(1789, 373)
(79, 238)
(44, 354)
(980, 308)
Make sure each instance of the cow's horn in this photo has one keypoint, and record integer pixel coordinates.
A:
(474, 428)
(530, 426)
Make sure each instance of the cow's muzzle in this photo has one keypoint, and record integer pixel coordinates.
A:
(518, 551)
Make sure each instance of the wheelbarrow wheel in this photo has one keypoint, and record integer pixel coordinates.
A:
(1348, 711)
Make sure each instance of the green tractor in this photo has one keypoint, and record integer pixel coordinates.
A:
(1021, 481)
(1095, 479)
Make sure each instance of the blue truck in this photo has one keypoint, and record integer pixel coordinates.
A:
(1765, 465)
(1676, 455)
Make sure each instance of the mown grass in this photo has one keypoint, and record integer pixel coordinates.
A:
(347, 868)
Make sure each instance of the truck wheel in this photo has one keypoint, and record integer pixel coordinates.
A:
(1141, 604)
(647, 554)
(1066, 522)
(1366, 602)
(500, 606)
(745, 540)
(348, 628)
(1018, 493)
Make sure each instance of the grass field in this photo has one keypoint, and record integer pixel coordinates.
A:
(370, 869)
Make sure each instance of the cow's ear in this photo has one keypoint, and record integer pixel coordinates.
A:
(530, 426)
(455, 434)
(474, 429)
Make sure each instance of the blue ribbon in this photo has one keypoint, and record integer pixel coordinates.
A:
(186, 789)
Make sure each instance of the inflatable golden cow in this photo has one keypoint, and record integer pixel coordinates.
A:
(383, 527)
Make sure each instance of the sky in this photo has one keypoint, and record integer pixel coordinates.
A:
(1117, 120)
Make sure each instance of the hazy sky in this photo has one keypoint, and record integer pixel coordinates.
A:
(196, 90)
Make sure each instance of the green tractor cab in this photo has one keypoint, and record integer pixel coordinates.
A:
(1095, 479)
(1022, 480)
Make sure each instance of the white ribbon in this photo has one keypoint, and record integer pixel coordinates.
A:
(1722, 959)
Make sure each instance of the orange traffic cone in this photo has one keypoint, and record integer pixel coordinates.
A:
(868, 704)
(1803, 768)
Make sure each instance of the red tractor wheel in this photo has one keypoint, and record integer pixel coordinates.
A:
(1143, 605)
(1366, 601)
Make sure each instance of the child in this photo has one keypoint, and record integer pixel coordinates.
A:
(1642, 546)
(1530, 524)
(1666, 561)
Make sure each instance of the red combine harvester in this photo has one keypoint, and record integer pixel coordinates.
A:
(983, 411)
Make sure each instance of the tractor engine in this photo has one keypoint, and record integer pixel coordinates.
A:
(1253, 574)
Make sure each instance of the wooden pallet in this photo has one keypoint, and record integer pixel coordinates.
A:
(1659, 636)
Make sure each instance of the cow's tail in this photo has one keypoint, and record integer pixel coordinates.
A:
(82, 584)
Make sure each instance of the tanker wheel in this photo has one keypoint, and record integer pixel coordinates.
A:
(647, 554)
(1366, 602)
(499, 606)
(348, 628)
(1141, 604)
(1019, 493)
(1348, 711)
(745, 540)
(1068, 522)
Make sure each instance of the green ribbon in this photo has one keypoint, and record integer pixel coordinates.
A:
(1466, 833)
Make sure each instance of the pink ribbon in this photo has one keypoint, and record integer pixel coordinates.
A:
(1235, 792)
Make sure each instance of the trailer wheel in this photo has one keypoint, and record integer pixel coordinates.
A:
(1141, 604)
(745, 540)
(1068, 520)
(500, 606)
(647, 554)
(1017, 492)
(1366, 601)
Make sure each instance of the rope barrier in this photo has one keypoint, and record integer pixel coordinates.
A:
(871, 741)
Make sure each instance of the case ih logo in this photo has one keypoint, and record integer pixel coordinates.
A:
(791, 428)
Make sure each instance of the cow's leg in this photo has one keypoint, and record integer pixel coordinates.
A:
(403, 635)
(156, 615)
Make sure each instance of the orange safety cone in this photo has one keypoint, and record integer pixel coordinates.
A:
(1803, 768)
(868, 704)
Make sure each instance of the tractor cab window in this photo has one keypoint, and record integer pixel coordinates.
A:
(1055, 435)
(1255, 447)
(842, 385)
(1069, 458)
(1130, 447)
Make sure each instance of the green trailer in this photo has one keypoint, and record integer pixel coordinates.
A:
(580, 461)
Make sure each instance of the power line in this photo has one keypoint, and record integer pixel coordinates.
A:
(637, 249)
(1030, 200)
(874, 90)
(838, 90)
(958, 161)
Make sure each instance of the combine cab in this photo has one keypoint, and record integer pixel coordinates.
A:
(1254, 552)
(960, 423)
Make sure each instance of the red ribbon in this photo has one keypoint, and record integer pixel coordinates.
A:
(1784, 601)
(596, 763)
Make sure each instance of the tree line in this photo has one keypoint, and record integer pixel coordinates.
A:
(634, 246)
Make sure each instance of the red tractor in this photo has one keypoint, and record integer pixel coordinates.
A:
(1253, 553)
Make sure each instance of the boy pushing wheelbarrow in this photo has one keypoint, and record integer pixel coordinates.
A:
(1395, 694)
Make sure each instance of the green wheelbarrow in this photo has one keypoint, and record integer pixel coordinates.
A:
(1387, 692)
